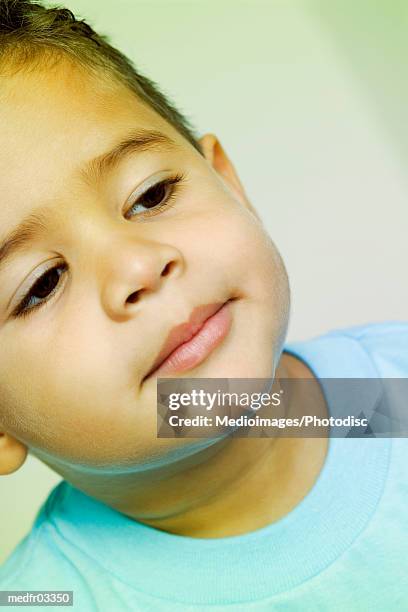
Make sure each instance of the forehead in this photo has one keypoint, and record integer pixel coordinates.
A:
(52, 122)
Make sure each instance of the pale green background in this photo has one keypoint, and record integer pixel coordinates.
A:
(310, 101)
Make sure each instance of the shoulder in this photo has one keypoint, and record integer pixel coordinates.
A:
(377, 349)
(38, 562)
(386, 344)
(377, 329)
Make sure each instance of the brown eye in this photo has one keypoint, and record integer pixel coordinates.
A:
(156, 197)
(46, 284)
(41, 291)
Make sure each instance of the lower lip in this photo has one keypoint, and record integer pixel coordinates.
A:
(192, 353)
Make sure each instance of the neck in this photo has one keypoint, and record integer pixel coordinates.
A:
(235, 486)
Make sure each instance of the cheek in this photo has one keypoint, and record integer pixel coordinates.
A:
(61, 389)
(259, 267)
(245, 254)
(75, 398)
(233, 242)
(230, 252)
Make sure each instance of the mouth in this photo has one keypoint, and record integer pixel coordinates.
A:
(188, 344)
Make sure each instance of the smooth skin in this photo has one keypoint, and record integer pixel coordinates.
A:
(72, 387)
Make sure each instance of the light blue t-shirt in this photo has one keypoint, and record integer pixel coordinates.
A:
(343, 548)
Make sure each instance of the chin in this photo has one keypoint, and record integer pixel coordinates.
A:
(225, 366)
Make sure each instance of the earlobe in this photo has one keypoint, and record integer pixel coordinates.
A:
(219, 160)
(13, 454)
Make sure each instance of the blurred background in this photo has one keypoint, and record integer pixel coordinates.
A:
(309, 98)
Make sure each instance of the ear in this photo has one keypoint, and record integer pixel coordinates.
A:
(12, 454)
(219, 160)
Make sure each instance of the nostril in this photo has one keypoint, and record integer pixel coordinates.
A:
(167, 268)
(133, 297)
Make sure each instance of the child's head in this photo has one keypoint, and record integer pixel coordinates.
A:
(115, 223)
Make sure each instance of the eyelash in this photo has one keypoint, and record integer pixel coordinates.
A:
(23, 309)
(170, 185)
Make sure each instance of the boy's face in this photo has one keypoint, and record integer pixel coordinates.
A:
(73, 367)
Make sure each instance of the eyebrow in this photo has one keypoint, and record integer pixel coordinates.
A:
(136, 142)
(26, 232)
(36, 223)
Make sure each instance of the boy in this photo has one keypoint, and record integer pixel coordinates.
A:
(128, 251)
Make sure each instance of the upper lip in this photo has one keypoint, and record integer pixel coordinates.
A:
(185, 331)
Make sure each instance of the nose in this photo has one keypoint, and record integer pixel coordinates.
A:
(134, 269)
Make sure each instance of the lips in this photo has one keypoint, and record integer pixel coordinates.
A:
(184, 332)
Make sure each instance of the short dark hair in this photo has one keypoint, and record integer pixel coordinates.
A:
(30, 32)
